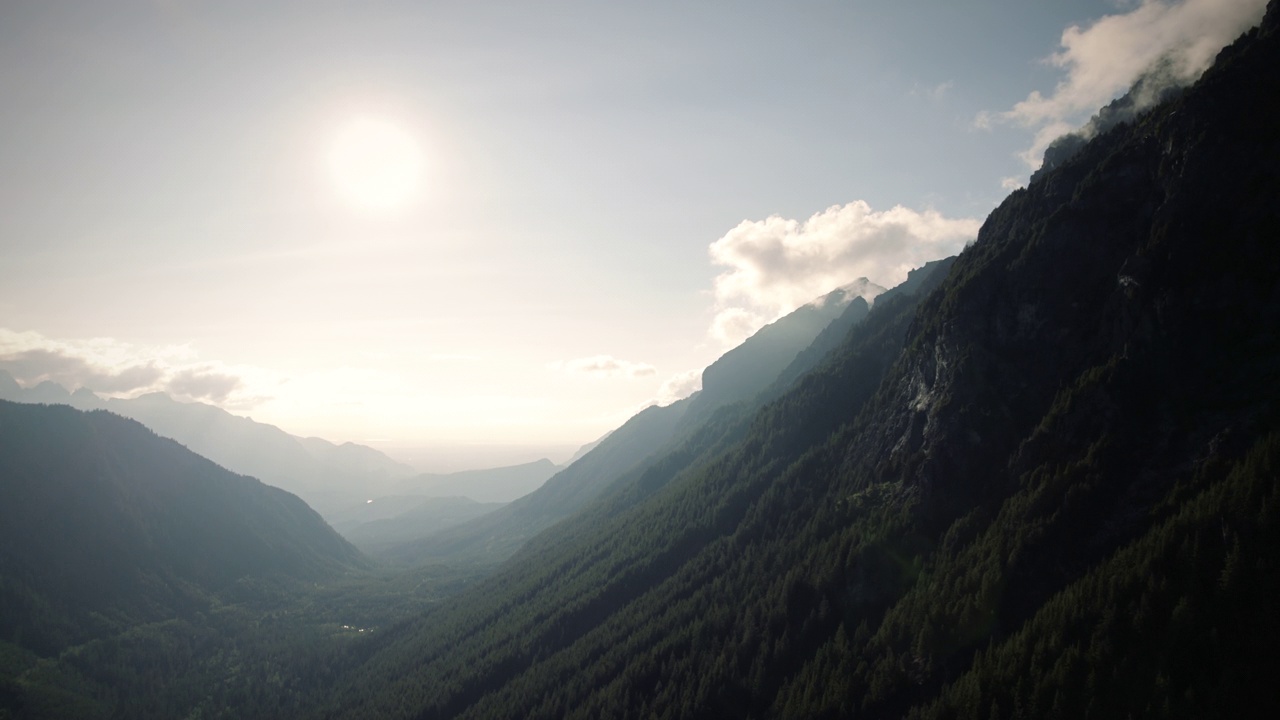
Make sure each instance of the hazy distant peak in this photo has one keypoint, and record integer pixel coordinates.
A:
(48, 392)
(8, 386)
(156, 397)
(84, 397)
(843, 295)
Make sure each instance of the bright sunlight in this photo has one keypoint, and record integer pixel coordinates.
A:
(375, 164)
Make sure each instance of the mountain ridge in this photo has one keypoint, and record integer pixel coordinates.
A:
(328, 476)
(1046, 489)
(737, 378)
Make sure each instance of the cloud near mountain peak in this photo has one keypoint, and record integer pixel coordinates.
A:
(775, 265)
(1102, 60)
(113, 368)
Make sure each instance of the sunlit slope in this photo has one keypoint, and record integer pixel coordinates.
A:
(1048, 488)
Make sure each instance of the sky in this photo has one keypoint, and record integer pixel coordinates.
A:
(497, 225)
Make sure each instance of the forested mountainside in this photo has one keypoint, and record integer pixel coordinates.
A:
(1047, 489)
(100, 514)
(121, 553)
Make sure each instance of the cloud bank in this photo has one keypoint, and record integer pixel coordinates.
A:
(112, 368)
(604, 366)
(204, 383)
(1171, 43)
(775, 265)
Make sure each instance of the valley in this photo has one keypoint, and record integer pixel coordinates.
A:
(1035, 479)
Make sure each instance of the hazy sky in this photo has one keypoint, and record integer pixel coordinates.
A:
(504, 222)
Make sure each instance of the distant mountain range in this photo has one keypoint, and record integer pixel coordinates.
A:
(328, 476)
(734, 384)
(426, 504)
(332, 478)
(490, 485)
(392, 521)
(353, 485)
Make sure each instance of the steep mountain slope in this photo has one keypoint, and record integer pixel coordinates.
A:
(328, 476)
(741, 373)
(493, 537)
(739, 376)
(640, 543)
(103, 523)
(1048, 489)
(837, 332)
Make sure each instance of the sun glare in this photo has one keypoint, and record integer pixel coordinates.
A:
(375, 164)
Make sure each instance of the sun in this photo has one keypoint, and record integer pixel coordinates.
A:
(375, 164)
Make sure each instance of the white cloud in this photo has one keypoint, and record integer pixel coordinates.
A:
(117, 369)
(732, 325)
(679, 386)
(776, 265)
(1101, 61)
(935, 93)
(604, 366)
(203, 383)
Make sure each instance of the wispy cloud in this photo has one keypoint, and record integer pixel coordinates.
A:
(777, 264)
(1175, 41)
(35, 365)
(113, 368)
(204, 383)
(604, 366)
(935, 93)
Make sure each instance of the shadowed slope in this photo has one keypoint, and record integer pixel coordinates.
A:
(1048, 489)
(104, 523)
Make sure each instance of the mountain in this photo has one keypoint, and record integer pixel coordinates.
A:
(585, 449)
(835, 333)
(426, 504)
(495, 536)
(738, 376)
(328, 476)
(104, 524)
(490, 485)
(1042, 486)
(741, 373)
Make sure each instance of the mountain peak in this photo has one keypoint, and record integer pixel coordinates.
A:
(8, 386)
(843, 295)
